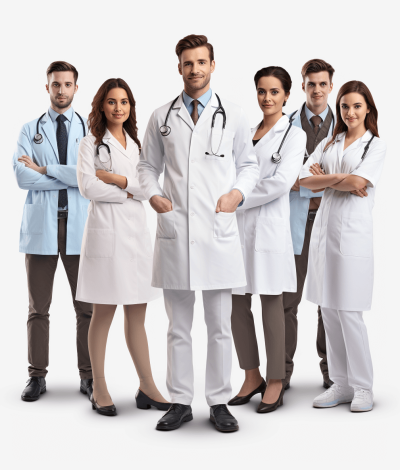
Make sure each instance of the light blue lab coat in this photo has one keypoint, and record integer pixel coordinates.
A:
(300, 201)
(39, 226)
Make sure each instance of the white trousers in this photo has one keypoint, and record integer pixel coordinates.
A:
(179, 305)
(349, 358)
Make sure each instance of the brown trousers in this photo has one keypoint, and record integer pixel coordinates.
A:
(244, 333)
(291, 301)
(40, 270)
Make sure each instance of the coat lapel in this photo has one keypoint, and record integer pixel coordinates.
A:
(279, 127)
(208, 111)
(74, 133)
(183, 112)
(47, 127)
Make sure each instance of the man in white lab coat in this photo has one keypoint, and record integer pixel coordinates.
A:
(203, 145)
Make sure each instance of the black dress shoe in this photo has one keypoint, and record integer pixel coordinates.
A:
(36, 386)
(223, 419)
(174, 417)
(327, 384)
(243, 400)
(287, 386)
(144, 402)
(268, 407)
(87, 387)
(109, 410)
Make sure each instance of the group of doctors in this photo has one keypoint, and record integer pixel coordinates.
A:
(240, 212)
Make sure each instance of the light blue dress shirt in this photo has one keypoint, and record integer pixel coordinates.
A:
(53, 116)
(203, 100)
(310, 114)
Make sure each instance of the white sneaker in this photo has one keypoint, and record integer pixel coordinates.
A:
(363, 400)
(334, 396)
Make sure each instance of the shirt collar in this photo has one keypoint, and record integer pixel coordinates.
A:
(203, 100)
(54, 115)
(310, 114)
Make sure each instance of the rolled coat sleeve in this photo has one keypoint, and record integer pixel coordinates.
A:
(90, 186)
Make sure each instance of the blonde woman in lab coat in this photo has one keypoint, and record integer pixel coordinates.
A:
(348, 167)
(264, 227)
(116, 257)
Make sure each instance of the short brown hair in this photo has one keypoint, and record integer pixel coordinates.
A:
(315, 66)
(191, 42)
(61, 66)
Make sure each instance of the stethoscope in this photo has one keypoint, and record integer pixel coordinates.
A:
(366, 148)
(38, 138)
(166, 130)
(102, 144)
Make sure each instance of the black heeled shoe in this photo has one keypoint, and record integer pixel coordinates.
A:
(144, 402)
(103, 410)
(235, 401)
(268, 407)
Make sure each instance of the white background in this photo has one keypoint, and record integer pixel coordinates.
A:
(136, 41)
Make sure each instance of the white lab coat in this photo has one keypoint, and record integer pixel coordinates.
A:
(116, 255)
(264, 219)
(341, 260)
(197, 248)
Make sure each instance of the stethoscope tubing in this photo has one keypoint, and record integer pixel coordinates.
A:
(38, 138)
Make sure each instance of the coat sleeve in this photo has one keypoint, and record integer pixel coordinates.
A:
(247, 171)
(372, 166)
(89, 185)
(151, 163)
(133, 186)
(308, 194)
(270, 188)
(315, 157)
(64, 173)
(28, 178)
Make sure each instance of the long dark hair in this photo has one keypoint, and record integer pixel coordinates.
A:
(97, 122)
(371, 119)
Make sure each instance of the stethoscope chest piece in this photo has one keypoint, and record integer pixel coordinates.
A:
(38, 139)
(165, 130)
(276, 157)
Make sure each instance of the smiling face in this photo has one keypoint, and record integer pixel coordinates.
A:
(196, 68)
(116, 106)
(317, 87)
(271, 95)
(353, 110)
(61, 87)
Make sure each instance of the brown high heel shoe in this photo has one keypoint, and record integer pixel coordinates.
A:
(268, 407)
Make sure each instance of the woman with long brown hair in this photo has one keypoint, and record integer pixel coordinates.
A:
(347, 167)
(116, 256)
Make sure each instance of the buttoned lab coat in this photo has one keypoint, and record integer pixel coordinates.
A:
(341, 259)
(264, 218)
(116, 256)
(39, 228)
(197, 248)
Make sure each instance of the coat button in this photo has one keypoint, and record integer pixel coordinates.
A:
(192, 160)
(192, 242)
(192, 214)
(191, 186)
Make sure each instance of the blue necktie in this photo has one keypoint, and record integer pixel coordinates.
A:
(62, 144)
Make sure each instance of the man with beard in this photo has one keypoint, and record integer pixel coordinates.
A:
(53, 221)
(203, 145)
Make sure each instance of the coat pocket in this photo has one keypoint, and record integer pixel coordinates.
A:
(100, 243)
(166, 225)
(271, 235)
(33, 219)
(221, 144)
(356, 235)
(225, 225)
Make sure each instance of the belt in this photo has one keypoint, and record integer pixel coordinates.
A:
(312, 214)
(62, 214)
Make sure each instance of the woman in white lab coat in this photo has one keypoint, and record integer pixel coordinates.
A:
(341, 265)
(116, 255)
(264, 227)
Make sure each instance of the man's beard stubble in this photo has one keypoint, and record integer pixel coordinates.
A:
(199, 86)
(67, 103)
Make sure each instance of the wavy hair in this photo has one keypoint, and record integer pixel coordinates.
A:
(97, 122)
(371, 119)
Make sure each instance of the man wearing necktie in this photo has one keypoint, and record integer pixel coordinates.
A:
(53, 221)
(316, 118)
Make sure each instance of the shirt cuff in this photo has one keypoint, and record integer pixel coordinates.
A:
(243, 198)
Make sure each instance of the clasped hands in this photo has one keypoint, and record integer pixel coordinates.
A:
(226, 203)
(316, 170)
